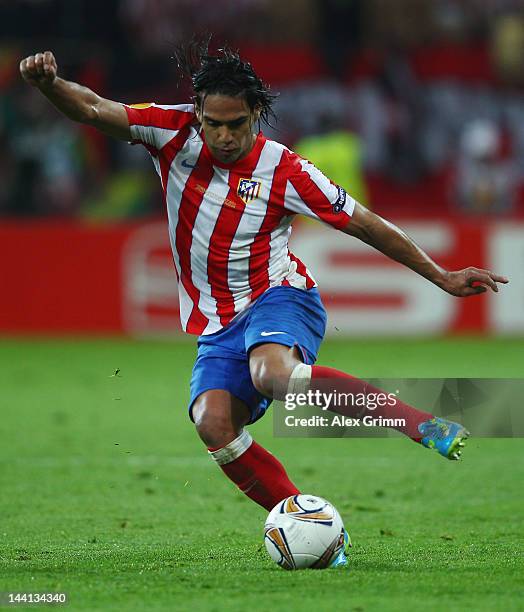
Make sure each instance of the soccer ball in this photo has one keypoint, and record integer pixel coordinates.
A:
(304, 531)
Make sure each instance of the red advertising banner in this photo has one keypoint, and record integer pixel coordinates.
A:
(75, 278)
(61, 278)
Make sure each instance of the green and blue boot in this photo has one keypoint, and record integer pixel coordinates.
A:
(446, 437)
(341, 560)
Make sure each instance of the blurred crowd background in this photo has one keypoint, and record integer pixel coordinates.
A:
(416, 106)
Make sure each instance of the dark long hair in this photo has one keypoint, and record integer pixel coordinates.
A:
(223, 73)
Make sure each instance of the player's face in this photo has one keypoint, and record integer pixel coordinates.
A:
(227, 123)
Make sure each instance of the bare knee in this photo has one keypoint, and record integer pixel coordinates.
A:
(219, 417)
(270, 367)
(263, 376)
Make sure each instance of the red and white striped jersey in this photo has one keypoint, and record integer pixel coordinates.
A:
(229, 224)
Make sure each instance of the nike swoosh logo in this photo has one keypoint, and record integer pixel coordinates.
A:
(186, 164)
(270, 333)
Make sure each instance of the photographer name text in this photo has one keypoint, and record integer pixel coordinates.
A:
(339, 420)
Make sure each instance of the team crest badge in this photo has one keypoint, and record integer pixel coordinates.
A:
(248, 189)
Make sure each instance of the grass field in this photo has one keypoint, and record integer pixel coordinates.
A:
(107, 494)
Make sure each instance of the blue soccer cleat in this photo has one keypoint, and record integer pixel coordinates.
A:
(341, 560)
(444, 436)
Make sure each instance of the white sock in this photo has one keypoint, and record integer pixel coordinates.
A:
(300, 379)
(233, 450)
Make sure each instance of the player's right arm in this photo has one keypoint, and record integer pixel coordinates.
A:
(75, 101)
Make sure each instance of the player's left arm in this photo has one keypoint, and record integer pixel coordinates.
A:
(396, 244)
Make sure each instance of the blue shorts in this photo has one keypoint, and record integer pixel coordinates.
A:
(299, 318)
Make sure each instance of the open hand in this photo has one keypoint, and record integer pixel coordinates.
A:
(40, 69)
(471, 281)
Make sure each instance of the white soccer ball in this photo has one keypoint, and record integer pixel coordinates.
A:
(304, 531)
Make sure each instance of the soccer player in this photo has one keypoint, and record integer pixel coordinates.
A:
(231, 195)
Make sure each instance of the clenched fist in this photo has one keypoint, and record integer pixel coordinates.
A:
(40, 69)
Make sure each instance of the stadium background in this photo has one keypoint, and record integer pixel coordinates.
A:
(416, 107)
(422, 119)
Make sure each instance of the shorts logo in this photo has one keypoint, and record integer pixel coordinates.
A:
(248, 189)
(142, 105)
(339, 203)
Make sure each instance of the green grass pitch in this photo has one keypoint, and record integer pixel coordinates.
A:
(107, 494)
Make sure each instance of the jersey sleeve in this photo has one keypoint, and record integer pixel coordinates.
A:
(311, 193)
(154, 125)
